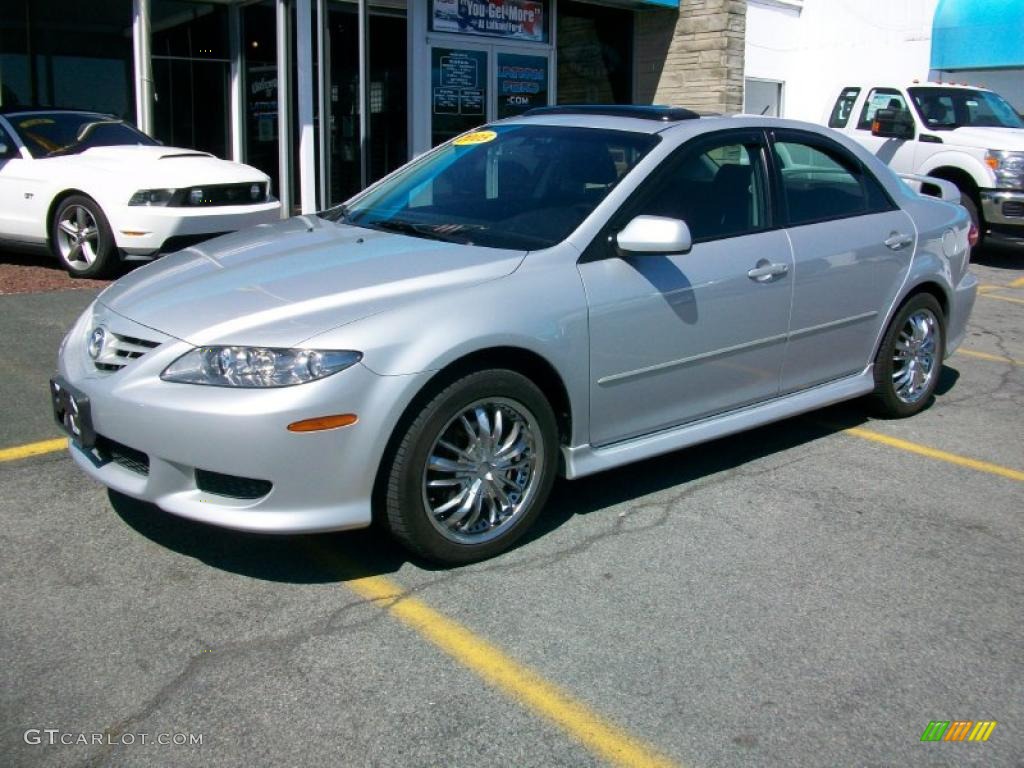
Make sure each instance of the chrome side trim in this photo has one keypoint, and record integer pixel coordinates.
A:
(586, 459)
(615, 378)
(833, 324)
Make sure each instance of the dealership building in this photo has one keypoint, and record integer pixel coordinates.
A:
(326, 96)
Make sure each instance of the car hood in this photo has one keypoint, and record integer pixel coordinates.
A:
(159, 167)
(987, 138)
(278, 284)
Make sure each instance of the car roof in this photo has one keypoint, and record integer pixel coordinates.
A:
(21, 109)
(915, 84)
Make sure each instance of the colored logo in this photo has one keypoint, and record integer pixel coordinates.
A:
(958, 730)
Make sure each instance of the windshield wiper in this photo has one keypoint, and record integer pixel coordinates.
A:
(337, 214)
(443, 232)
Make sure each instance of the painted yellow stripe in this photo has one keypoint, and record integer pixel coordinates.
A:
(516, 680)
(987, 356)
(1018, 283)
(1012, 300)
(33, 449)
(935, 453)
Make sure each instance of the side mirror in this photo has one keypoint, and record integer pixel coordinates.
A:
(893, 124)
(655, 234)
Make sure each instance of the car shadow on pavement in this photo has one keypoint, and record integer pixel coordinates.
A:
(1000, 255)
(340, 557)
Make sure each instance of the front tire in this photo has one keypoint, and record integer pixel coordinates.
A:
(81, 238)
(972, 210)
(473, 469)
(910, 358)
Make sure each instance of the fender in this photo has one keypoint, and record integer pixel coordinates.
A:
(966, 162)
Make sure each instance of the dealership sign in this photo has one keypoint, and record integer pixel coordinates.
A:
(513, 19)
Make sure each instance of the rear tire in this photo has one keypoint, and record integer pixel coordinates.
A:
(909, 358)
(81, 238)
(972, 209)
(473, 469)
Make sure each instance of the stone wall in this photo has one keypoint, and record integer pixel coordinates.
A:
(692, 57)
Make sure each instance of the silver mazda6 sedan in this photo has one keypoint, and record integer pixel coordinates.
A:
(561, 292)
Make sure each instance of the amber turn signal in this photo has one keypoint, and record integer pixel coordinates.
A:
(323, 422)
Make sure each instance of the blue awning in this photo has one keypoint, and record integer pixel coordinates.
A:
(978, 34)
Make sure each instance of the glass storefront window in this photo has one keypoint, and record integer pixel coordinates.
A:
(458, 80)
(595, 54)
(191, 72)
(74, 55)
(259, 52)
(522, 83)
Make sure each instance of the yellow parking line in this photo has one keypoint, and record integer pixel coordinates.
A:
(515, 679)
(1001, 298)
(33, 449)
(934, 453)
(1018, 283)
(987, 356)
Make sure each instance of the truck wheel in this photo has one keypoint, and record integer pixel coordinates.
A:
(972, 208)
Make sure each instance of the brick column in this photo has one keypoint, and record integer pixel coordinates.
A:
(692, 57)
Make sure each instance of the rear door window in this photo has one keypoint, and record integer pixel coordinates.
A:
(844, 108)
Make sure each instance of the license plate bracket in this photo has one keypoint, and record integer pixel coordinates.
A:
(72, 412)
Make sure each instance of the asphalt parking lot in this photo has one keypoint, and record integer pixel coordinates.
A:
(813, 593)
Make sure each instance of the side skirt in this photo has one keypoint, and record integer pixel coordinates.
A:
(586, 459)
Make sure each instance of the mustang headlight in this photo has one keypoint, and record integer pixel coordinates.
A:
(152, 197)
(255, 367)
(1008, 167)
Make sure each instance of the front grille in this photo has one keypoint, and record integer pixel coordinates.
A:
(119, 350)
(210, 195)
(130, 458)
(231, 485)
(1013, 209)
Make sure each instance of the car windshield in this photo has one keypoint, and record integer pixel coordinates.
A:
(48, 134)
(506, 186)
(943, 109)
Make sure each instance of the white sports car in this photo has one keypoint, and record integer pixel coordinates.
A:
(94, 189)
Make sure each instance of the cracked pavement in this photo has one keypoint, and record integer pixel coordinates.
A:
(791, 596)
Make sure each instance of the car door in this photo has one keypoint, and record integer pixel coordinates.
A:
(852, 247)
(22, 208)
(898, 154)
(677, 337)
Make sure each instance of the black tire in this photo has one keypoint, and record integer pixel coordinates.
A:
(408, 516)
(972, 209)
(887, 400)
(93, 255)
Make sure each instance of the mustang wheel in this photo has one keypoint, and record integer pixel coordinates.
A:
(81, 238)
(473, 469)
(910, 358)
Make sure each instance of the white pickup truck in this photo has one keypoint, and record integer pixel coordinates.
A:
(969, 136)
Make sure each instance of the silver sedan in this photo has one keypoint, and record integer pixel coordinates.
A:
(562, 292)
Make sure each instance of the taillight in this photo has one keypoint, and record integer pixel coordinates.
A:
(972, 235)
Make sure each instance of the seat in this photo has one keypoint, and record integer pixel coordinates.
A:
(730, 207)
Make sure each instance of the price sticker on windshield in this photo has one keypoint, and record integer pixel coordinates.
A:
(477, 137)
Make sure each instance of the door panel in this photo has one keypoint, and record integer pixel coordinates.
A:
(846, 275)
(844, 282)
(676, 338)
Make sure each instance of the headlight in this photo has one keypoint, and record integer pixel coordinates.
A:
(152, 197)
(255, 367)
(1008, 167)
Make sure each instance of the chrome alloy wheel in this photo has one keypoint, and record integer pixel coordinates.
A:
(78, 237)
(482, 470)
(915, 355)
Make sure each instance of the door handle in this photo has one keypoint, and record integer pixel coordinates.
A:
(766, 271)
(898, 240)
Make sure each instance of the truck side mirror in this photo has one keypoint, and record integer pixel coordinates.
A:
(893, 124)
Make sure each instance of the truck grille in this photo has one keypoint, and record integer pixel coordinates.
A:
(1013, 210)
(119, 350)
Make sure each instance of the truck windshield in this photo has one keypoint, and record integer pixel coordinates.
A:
(48, 134)
(943, 109)
(504, 186)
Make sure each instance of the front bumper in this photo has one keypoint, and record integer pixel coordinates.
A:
(1003, 208)
(144, 230)
(321, 481)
